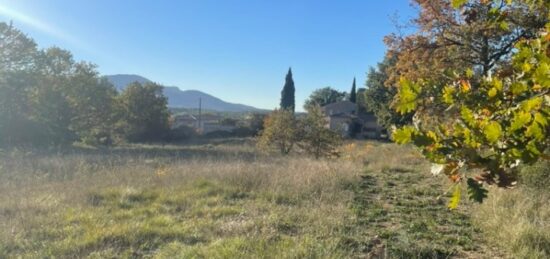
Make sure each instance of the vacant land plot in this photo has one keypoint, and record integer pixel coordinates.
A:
(224, 200)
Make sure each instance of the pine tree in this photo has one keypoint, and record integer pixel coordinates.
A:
(352, 94)
(287, 95)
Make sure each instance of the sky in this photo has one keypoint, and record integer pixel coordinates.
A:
(236, 50)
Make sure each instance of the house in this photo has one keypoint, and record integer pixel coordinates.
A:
(342, 117)
(205, 123)
(186, 120)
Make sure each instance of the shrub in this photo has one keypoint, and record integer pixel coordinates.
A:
(280, 131)
(316, 138)
(536, 176)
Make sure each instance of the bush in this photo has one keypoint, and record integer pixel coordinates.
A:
(280, 131)
(536, 176)
(181, 133)
(315, 138)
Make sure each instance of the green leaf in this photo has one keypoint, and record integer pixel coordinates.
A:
(532, 104)
(497, 83)
(476, 192)
(518, 88)
(458, 3)
(526, 67)
(407, 96)
(532, 147)
(504, 26)
(520, 119)
(455, 198)
(514, 153)
(535, 131)
(403, 135)
(492, 92)
(468, 116)
(541, 119)
(469, 73)
(448, 92)
(542, 76)
(492, 131)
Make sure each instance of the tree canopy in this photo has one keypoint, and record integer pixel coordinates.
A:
(287, 94)
(494, 120)
(353, 92)
(479, 36)
(378, 97)
(46, 97)
(324, 96)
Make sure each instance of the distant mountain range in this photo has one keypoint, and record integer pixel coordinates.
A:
(184, 99)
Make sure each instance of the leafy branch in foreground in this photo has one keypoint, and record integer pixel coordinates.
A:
(493, 123)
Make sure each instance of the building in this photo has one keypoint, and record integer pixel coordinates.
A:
(185, 120)
(342, 117)
(204, 124)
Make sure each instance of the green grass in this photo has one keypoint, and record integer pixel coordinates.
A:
(224, 200)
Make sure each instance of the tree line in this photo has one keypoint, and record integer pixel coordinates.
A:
(48, 98)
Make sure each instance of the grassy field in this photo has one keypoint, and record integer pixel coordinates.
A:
(226, 200)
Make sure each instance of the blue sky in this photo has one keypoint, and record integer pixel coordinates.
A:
(237, 50)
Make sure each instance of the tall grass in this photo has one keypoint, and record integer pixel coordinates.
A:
(215, 200)
(223, 199)
(518, 221)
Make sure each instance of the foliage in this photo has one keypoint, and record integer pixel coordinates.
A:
(324, 96)
(17, 53)
(48, 98)
(287, 94)
(480, 35)
(379, 97)
(494, 123)
(536, 177)
(361, 103)
(316, 139)
(353, 92)
(280, 131)
(255, 122)
(143, 113)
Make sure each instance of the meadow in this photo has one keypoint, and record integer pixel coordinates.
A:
(224, 199)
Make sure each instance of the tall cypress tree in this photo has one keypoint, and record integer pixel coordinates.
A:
(287, 95)
(352, 94)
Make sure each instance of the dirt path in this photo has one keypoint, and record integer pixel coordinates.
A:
(399, 210)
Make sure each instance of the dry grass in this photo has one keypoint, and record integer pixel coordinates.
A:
(518, 221)
(225, 200)
(214, 200)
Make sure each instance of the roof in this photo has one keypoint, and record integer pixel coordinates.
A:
(185, 117)
(337, 108)
(340, 105)
(204, 117)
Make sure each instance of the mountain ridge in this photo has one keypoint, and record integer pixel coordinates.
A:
(178, 98)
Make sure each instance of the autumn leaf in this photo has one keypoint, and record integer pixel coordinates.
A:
(466, 86)
(455, 198)
(403, 135)
(492, 131)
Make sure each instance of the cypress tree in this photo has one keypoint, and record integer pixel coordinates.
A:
(352, 94)
(287, 95)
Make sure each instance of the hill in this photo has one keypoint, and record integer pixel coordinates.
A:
(178, 98)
